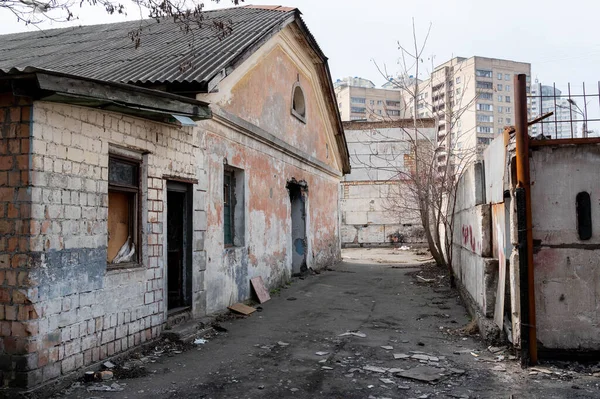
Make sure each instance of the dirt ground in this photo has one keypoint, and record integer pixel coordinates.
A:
(380, 324)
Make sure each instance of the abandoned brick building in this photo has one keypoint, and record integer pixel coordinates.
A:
(138, 184)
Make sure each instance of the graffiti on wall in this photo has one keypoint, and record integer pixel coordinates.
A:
(469, 240)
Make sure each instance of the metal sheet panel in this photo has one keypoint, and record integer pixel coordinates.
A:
(166, 54)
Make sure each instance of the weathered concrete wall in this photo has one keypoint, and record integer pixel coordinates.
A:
(371, 215)
(80, 310)
(566, 268)
(472, 244)
(377, 208)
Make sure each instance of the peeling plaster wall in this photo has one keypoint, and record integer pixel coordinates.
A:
(267, 250)
(567, 276)
(260, 92)
(78, 310)
(254, 102)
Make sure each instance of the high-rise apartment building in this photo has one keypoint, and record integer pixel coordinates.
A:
(471, 98)
(359, 99)
(544, 99)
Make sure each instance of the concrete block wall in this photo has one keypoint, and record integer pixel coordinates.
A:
(17, 313)
(371, 215)
(566, 268)
(472, 244)
(82, 310)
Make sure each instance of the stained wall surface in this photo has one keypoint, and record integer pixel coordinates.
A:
(567, 277)
(255, 134)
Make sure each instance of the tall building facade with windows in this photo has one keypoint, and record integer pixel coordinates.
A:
(471, 98)
(544, 99)
(359, 99)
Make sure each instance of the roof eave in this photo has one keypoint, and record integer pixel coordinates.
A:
(331, 98)
(126, 98)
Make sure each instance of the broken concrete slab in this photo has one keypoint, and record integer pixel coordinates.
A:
(401, 356)
(375, 369)
(353, 333)
(428, 374)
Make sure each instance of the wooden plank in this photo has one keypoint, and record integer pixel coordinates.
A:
(259, 288)
(127, 94)
(241, 308)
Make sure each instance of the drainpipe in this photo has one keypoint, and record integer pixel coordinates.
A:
(529, 339)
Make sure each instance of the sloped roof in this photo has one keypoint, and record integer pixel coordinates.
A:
(106, 52)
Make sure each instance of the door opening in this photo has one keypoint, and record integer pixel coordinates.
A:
(179, 239)
(298, 214)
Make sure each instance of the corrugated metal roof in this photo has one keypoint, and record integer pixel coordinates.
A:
(166, 54)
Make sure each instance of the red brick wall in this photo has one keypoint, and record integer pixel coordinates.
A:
(18, 325)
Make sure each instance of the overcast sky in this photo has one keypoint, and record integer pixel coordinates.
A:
(558, 38)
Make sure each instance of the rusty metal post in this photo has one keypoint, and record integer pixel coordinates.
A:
(522, 142)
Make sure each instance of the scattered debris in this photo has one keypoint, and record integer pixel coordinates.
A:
(321, 353)
(326, 368)
(387, 347)
(541, 370)
(404, 248)
(200, 341)
(401, 356)
(241, 308)
(495, 349)
(425, 374)
(105, 375)
(259, 288)
(499, 368)
(88, 376)
(457, 371)
(375, 369)
(354, 333)
(114, 387)
(386, 380)
(292, 298)
(281, 343)
(426, 280)
(108, 365)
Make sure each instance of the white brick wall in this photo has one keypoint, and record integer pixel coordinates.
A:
(86, 314)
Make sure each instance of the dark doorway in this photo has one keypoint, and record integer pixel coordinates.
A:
(179, 254)
(298, 214)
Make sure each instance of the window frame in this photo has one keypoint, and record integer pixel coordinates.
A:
(135, 215)
(301, 117)
(231, 205)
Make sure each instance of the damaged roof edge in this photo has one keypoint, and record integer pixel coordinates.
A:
(120, 95)
(340, 136)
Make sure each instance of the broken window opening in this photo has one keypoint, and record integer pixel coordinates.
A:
(233, 207)
(123, 210)
(298, 103)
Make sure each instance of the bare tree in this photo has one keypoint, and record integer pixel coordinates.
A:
(188, 13)
(425, 182)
